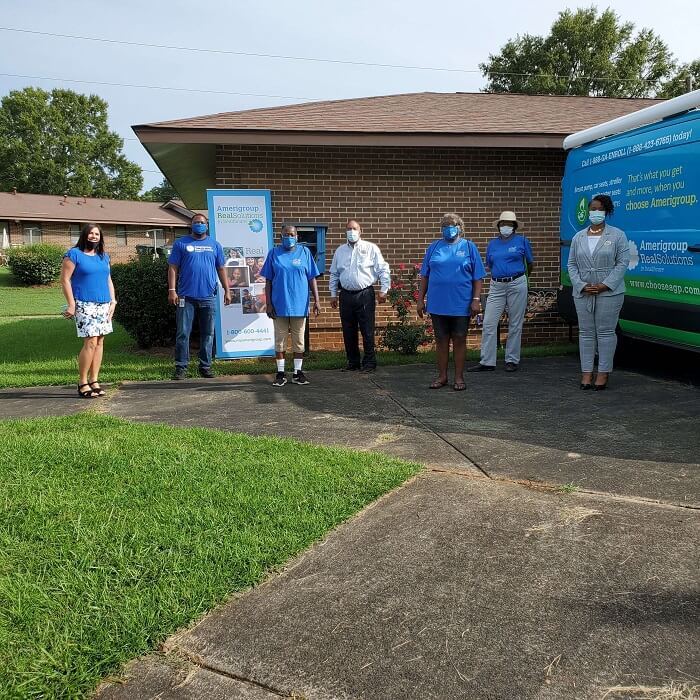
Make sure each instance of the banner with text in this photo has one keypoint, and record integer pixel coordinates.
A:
(241, 220)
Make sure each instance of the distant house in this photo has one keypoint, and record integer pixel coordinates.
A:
(396, 163)
(42, 218)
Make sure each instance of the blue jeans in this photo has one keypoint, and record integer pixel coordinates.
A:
(185, 317)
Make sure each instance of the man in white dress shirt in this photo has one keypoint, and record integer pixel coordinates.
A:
(357, 265)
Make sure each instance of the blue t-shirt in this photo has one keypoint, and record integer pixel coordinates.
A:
(506, 257)
(197, 261)
(90, 277)
(290, 272)
(451, 269)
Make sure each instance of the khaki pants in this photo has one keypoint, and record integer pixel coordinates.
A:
(284, 325)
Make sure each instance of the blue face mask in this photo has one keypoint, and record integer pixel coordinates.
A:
(288, 242)
(596, 217)
(449, 233)
(199, 227)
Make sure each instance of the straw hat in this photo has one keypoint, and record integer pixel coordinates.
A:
(507, 216)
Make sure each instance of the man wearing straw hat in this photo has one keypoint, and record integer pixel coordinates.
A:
(509, 259)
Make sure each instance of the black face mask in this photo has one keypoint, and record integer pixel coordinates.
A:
(90, 245)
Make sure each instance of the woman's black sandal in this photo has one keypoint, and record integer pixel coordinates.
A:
(97, 390)
(88, 394)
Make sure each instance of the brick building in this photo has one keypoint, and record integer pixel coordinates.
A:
(41, 218)
(395, 163)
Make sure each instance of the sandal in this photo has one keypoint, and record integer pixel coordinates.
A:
(97, 389)
(437, 384)
(459, 386)
(87, 394)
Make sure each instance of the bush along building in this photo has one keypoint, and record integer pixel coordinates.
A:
(395, 163)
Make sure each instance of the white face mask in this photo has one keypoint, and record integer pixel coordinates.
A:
(353, 235)
(505, 230)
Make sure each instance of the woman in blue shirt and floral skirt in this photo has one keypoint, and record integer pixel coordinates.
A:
(509, 259)
(87, 286)
(451, 276)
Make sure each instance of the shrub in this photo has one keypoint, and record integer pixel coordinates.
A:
(409, 333)
(36, 264)
(142, 293)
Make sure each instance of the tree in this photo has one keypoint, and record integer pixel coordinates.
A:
(160, 193)
(584, 54)
(58, 142)
(678, 84)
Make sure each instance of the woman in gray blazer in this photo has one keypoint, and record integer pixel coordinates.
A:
(598, 261)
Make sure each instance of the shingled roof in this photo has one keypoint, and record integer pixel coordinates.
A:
(47, 207)
(422, 113)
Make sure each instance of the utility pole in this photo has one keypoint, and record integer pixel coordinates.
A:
(689, 83)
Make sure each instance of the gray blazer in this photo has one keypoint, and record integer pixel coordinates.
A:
(607, 264)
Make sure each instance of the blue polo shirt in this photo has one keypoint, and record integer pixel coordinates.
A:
(197, 261)
(506, 257)
(451, 269)
(290, 271)
(90, 278)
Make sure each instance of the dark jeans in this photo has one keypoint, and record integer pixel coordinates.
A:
(357, 313)
(204, 308)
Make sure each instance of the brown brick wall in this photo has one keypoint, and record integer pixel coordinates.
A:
(399, 195)
(59, 234)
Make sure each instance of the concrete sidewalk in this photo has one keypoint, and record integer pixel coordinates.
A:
(481, 578)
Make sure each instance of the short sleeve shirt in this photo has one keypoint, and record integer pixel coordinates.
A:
(90, 279)
(289, 272)
(451, 270)
(506, 257)
(197, 261)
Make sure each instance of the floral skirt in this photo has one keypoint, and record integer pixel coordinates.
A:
(92, 319)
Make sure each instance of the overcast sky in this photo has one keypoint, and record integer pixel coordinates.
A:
(442, 34)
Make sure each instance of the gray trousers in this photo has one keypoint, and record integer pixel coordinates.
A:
(597, 321)
(504, 295)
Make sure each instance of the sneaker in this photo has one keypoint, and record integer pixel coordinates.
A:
(511, 367)
(206, 373)
(180, 373)
(280, 379)
(299, 378)
(481, 368)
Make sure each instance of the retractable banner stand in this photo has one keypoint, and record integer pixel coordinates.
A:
(241, 220)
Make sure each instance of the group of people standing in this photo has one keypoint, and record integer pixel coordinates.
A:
(451, 281)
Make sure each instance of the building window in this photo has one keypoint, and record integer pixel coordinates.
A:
(314, 238)
(32, 233)
(74, 233)
(156, 236)
(121, 236)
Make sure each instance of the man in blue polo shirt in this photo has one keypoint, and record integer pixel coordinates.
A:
(289, 271)
(195, 263)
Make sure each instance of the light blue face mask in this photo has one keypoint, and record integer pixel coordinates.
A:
(288, 242)
(449, 233)
(596, 217)
(199, 227)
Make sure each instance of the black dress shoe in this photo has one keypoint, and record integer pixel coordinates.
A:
(511, 367)
(600, 387)
(480, 368)
(586, 387)
(350, 369)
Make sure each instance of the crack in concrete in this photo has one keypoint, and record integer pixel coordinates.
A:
(200, 663)
(426, 427)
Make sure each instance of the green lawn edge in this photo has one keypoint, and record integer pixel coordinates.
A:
(121, 533)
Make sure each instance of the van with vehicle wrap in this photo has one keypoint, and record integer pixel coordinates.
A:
(652, 174)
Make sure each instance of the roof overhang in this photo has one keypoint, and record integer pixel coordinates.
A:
(187, 157)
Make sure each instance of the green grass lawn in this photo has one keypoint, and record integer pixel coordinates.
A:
(18, 300)
(38, 352)
(114, 534)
